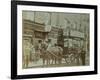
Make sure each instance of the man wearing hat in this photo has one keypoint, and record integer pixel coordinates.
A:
(82, 56)
(49, 44)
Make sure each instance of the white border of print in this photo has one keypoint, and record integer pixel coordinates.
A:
(21, 71)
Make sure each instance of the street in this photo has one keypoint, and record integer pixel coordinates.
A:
(39, 63)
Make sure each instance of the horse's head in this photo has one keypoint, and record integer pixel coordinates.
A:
(43, 48)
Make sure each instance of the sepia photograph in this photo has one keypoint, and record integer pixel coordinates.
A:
(55, 39)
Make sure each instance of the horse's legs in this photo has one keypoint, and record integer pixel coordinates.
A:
(55, 60)
(43, 61)
(59, 61)
(60, 58)
(48, 62)
(48, 58)
(52, 60)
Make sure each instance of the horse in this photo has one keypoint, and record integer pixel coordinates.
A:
(52, 56)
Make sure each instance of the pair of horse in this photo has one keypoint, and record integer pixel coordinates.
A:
(52, 56)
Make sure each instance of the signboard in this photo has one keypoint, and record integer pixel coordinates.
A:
(39, 35)
(47, 28)
(76, 34)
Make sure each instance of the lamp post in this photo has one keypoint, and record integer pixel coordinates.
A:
(68, 30)
(60, 38)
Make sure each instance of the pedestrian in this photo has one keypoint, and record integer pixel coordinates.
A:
(26, 53)
(82, 56)
(32, 53)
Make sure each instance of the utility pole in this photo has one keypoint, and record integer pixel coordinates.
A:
(34, 16)
(50, 15)
(68, 30)
(60, 39)
(57, 19)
